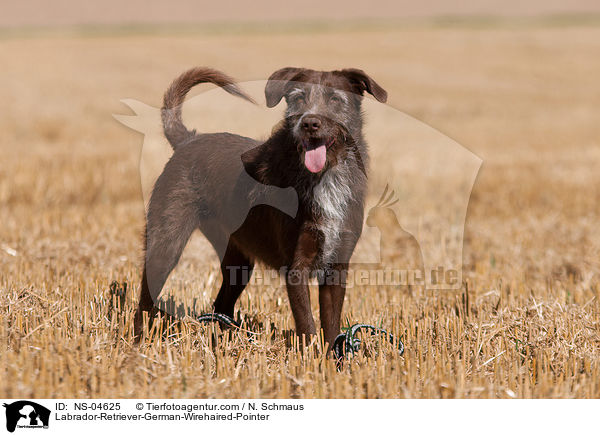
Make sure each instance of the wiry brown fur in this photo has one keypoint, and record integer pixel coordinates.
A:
(200, 188)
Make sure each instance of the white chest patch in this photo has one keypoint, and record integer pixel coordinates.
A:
(330, 200)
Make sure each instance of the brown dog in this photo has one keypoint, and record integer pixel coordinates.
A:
(237, 192)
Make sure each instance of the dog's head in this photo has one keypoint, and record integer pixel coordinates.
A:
(323, 110)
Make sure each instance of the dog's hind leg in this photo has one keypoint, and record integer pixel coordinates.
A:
(166, 236)
(236, 269)
(145, 305)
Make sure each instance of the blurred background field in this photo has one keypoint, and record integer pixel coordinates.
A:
(519, 88)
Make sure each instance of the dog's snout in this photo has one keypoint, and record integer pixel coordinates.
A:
(311, 123)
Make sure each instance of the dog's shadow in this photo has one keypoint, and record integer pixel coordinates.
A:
(171, 318)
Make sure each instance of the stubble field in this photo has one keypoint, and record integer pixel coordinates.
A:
(525, 98)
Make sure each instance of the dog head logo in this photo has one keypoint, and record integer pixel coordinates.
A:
(26, 414)
(419, 180)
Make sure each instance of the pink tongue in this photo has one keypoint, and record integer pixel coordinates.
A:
(315, 159)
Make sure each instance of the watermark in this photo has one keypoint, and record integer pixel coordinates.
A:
(419, 184)
(353, 277)
(25, 414)
(266, 416)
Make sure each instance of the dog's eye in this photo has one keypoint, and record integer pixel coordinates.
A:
(335, 99)
(299, 99)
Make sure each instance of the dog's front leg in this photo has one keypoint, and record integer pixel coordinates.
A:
(331, 300)
(297, 281)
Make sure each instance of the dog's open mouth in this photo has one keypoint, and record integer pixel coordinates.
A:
(315, 153)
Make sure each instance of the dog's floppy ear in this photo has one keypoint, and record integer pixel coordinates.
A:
(363, 82)
(275, 88)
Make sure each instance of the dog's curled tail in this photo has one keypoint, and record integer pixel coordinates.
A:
(173, 127)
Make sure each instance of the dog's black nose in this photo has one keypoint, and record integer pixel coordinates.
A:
(311, 123)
